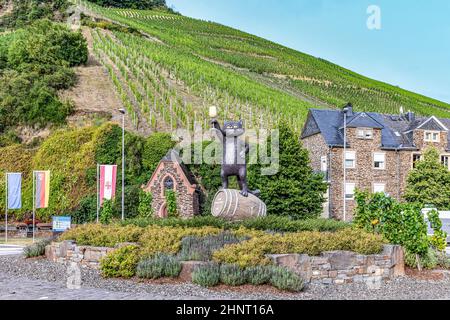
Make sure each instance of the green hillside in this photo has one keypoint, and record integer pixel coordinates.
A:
(245, 75)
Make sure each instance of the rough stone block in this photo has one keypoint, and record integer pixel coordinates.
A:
(325, 266)
(398, 261)
(319, 261)
(298, 263)
(333, 274)
(340, 260)
(187, 267)
(374, 270)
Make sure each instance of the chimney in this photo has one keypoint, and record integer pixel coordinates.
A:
(410, 116)
(348, 109)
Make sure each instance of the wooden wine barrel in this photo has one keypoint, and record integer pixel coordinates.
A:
(229, 204)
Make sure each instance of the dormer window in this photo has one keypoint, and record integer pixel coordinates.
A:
(432, 136)
(363, 133)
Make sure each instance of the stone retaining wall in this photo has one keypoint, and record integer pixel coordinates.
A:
(68, 251)
(339, 267)
(334, 267)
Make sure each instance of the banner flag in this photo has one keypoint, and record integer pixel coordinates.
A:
(14, 190)
(42, 189)
(108, 177)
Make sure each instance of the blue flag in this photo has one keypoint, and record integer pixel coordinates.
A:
(14, 190)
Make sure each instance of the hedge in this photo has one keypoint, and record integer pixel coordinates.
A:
(269, 223)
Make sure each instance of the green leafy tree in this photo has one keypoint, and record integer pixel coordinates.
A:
(295, 191)
(429, 182)
(35, 64)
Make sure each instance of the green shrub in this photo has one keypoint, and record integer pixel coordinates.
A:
(258, 275)
(429, 260)
(9, 138)
(156, 239)
(399, 223)
(196, 222)
(86, 211)
(102, 236)
(106, 212)
(202, 248)
(253, 252)
(207, 275)
(145, 210)
(120, 263)
(159, 266)
(232, 275)
(171, 202)
(286, 224)
(439, 238)
(37, 249)
(269, 223)
(284, 279)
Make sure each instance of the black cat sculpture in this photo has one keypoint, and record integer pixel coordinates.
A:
(234, 152)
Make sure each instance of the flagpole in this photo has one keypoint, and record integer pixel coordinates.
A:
(6, 207)
(34, 199)
(97, 193)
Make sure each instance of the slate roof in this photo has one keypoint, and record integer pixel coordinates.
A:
(174, 156)
(396, 130)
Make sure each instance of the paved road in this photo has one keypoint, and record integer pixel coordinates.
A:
(16, 288)
(6, 250)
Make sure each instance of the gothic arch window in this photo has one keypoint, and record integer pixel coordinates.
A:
(168, 183)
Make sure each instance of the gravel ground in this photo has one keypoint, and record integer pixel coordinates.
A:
(19, 269)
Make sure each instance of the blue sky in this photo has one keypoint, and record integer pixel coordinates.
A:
(411, 50)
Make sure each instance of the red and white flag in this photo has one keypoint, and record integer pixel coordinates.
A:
(108, 177)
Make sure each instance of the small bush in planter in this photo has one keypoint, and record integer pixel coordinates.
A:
(207, 275)
(430, 260)
(120, 263)
(258, 275)
(232, 275)
(161, 265)
(284, 279)
(37, 249)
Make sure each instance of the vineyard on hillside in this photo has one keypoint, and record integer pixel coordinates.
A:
(170, 74)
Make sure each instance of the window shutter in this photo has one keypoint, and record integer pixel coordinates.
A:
(379, 157)
(350, 156)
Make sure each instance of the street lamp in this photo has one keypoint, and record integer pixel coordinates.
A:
(122, 111)
(345, 110)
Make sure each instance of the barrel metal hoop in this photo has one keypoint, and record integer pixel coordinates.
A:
(237, 201)
(227, 193)
(260, 214)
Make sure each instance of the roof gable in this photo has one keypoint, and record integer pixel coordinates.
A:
(311, 127)
(396, 130)
(433, 124)
(364, 120)
(173, 157)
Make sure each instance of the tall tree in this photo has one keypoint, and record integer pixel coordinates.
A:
(294, 191)
(429, 182)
